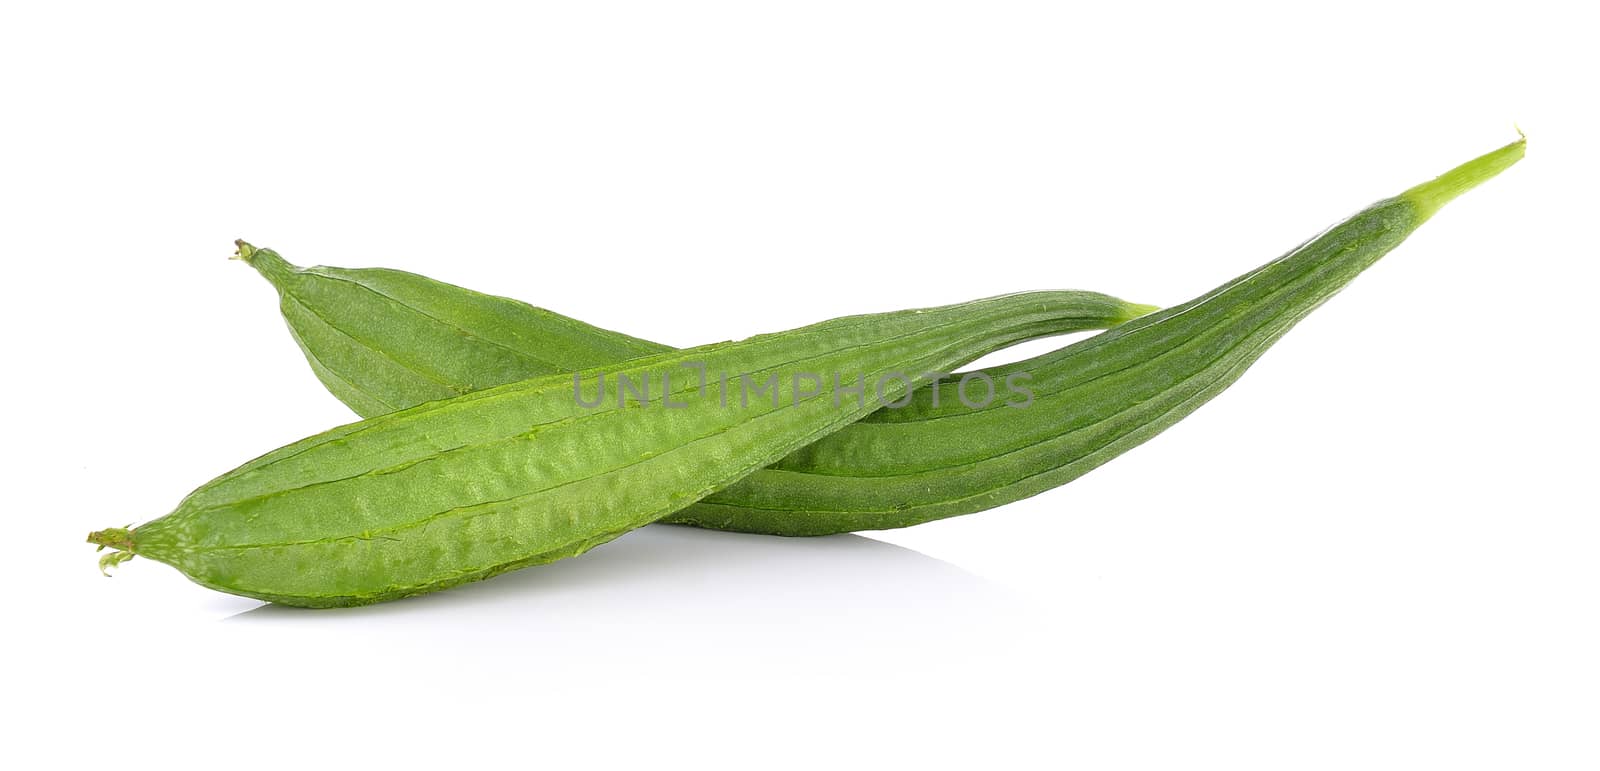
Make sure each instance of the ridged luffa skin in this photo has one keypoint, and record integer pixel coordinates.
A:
(383, 340)
(1094, 400)
(468, 487)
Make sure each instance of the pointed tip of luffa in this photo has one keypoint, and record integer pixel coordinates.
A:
(120, 540)
(266, 262)
(1132, 311)
(1431, 196)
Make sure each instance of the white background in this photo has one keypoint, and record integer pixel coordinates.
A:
(1377, 550)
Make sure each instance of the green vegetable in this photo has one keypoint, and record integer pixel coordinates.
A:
(465, 488)
(935, 458)
(383, 340)
(1095, 399)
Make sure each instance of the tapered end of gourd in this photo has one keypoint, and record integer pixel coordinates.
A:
(265, 261)
(118, 538)
(1131, 311)
(1431, 196)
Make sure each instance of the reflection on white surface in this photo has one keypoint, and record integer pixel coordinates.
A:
(685, 594)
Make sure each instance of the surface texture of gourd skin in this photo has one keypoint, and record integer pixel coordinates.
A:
(937, 458)
(357, 328)
(462, 489)
(383, 340)
(1106, 396)
(1097, 398)
(360, 328)
(905, 466)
